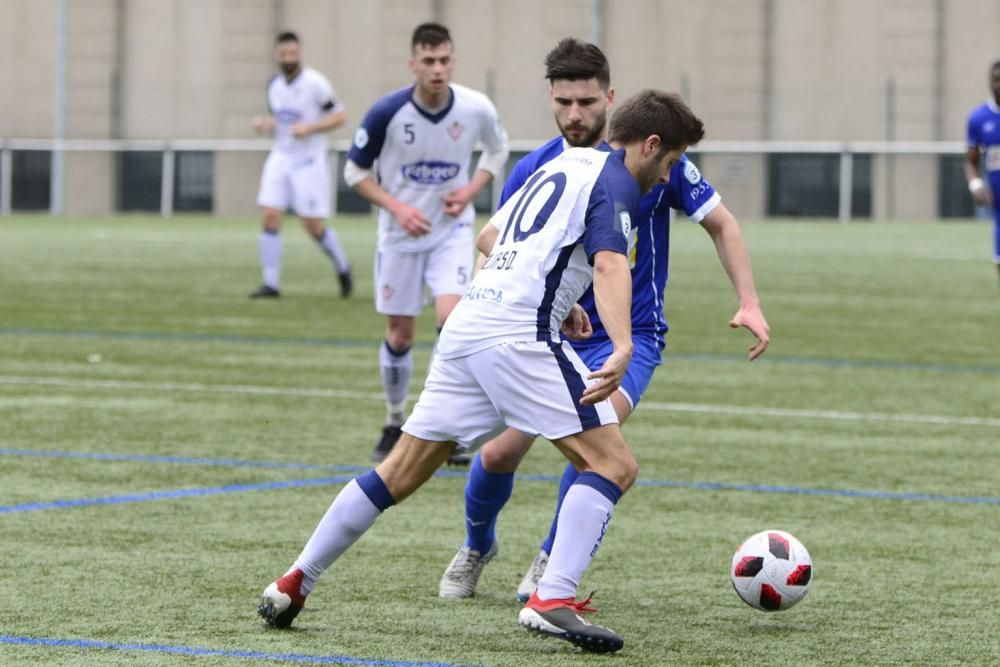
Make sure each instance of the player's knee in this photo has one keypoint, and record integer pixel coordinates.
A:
(497, 459)
(630, 473)
(399, 340)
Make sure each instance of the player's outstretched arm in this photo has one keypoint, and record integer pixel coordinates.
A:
(613, 296)
(721, 225)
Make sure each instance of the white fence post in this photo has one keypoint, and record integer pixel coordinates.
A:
(6, 177)
(167, 183)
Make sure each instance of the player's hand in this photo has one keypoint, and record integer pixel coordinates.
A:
(576, 326)
(262, 124)
(983, 196)
(301, 130)
(752, 317)
(411, 220)
(608, 378)
(456, 201)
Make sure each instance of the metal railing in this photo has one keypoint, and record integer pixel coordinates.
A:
(846, 150)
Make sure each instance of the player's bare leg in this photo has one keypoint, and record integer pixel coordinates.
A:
(608, 469)
(331, 246)
(270, 253)
(396, 363)
(443, 305)
(354, 510)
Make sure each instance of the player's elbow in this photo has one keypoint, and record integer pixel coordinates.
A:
(608, 264)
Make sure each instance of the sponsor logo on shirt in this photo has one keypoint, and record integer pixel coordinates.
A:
(287, 116)
(626, 221)
(431, 172)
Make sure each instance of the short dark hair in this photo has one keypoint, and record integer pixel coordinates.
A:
(994, 67)
(430, 35)
(573, 60)
(287, 36)
(656, 112)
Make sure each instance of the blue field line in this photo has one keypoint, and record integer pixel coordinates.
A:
(210, 652)
(171, 495)
(447, 474)
(878, 364)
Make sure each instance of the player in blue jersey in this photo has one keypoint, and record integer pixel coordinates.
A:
(501, 362)
(411, 157)
(581, 95)
(984, 138)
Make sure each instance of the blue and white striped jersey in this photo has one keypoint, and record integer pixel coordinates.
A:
(649, 244)
(576, 205)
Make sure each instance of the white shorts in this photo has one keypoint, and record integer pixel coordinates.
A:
(534, 387)
(301, 183)
(401, 277)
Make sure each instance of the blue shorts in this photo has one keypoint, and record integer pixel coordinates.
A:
(646, 357)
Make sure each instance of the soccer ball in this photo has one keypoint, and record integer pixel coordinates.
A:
(771, 571)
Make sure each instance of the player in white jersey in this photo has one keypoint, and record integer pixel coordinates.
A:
(501, 362)
(303, 107)
(411, 157)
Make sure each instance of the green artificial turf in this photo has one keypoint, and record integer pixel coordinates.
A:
(133, 338)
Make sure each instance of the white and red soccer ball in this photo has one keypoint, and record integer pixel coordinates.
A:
(771, 571)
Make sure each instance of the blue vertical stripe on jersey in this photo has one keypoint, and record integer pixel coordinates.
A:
(587, 413)
(552, 281)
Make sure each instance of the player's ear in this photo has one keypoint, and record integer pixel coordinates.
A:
(652, 144)
(611, 96)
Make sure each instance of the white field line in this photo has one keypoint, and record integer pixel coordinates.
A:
(749, 411)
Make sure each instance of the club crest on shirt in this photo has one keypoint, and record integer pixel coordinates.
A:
(691, 173)
(361, 137)
(988, 126)
(455, 130)
(626, 222)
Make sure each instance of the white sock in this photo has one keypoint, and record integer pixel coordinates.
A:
(270, 258)
(330, 244)
(351, 514)
(397, 369)
(583, 519)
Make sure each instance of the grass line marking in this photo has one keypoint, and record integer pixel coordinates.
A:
(748, 411)
(209, 652)
(182, 493)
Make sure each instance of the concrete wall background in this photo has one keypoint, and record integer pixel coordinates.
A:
(752, 69)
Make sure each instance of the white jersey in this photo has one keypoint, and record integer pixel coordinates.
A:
(305, 99)
(574, 206)
(423, 156)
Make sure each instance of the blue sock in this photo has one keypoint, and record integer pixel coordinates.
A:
(568, 477)
(485, 495)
